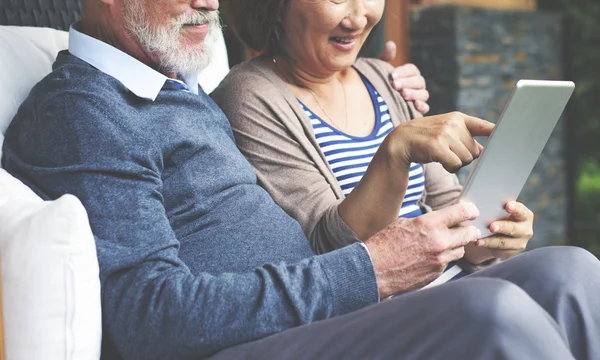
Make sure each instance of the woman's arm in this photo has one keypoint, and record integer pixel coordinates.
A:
(289, 166)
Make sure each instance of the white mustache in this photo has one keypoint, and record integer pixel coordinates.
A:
(199, 17)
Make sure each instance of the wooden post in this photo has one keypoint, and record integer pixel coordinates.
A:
(2, 349)
(397, 28)
(527, 5)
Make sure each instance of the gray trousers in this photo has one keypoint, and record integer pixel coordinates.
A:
(544, 304)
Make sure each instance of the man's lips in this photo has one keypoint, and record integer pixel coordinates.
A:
(200, 28)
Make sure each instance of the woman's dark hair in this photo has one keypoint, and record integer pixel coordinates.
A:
(257, 23)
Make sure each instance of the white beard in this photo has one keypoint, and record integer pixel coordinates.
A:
(164, 43)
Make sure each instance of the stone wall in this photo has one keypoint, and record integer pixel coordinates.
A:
(471, 59)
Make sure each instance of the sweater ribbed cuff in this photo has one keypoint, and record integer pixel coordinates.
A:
(351, 277)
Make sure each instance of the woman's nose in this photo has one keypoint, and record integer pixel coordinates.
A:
(357, 15)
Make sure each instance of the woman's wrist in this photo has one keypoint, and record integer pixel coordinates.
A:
(396, 155)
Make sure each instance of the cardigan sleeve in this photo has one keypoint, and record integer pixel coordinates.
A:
(270, 134)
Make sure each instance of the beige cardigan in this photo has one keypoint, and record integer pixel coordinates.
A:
(276, 136)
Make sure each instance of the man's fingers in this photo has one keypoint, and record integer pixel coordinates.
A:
(454, 254)
(455, 214)
(479, 127)
(464, 235)
(413, 86)
(413, 95)
(406, 71)
(422, 107)
(389, 52)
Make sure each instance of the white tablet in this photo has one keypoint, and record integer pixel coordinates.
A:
(513, 148)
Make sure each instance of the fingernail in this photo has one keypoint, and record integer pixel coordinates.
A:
(480, 243)
(511, 206)
(494, 228)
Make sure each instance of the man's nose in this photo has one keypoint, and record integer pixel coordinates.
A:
(210, 5)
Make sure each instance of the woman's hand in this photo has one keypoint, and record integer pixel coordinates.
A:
(511, 235)
(407, 79)
(447, 139)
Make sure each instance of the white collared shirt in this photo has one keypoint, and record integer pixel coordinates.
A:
(136, 76)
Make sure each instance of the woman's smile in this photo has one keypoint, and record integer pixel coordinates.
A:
(345, 43)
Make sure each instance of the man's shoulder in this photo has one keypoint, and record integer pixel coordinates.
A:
(74, 101)
(71, 78)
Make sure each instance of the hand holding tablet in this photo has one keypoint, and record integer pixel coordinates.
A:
(512, 150)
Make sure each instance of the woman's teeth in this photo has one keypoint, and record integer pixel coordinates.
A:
(342, 40)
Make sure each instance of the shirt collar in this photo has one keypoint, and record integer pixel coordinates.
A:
(139, 78)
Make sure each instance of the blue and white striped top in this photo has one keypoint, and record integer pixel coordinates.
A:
(349, 156)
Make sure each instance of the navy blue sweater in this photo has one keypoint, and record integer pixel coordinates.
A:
(194, 256)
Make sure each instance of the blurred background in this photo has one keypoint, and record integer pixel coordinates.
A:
(472, 52)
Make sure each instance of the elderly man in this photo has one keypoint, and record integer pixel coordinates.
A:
(197, 261)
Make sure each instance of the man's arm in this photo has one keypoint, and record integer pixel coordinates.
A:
(153, 306)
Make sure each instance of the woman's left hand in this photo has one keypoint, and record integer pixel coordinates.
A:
(407, 79)
(511, 235)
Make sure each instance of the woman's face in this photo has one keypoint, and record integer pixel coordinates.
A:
(324, 36)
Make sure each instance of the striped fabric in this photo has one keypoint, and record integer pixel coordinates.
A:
(349, 155)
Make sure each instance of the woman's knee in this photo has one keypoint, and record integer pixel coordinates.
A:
(498, 303)
(502, 312)
(563, 264)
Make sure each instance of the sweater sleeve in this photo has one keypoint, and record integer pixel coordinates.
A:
(270, 135)
(153, 306)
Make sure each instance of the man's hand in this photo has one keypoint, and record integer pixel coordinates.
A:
(407, 79)
(410, 253)
(447, 139)
(511, 235)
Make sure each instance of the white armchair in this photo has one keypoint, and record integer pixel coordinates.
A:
(50, 286)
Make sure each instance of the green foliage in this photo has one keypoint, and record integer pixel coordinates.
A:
(583, 54)
(589, 180)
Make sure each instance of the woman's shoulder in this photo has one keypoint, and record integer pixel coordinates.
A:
(371, 68)
(248, 80)
(377, 72)
(252, 94)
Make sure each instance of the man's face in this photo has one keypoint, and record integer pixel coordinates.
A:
(178, 36)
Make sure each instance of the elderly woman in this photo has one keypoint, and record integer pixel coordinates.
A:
(329, 136)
